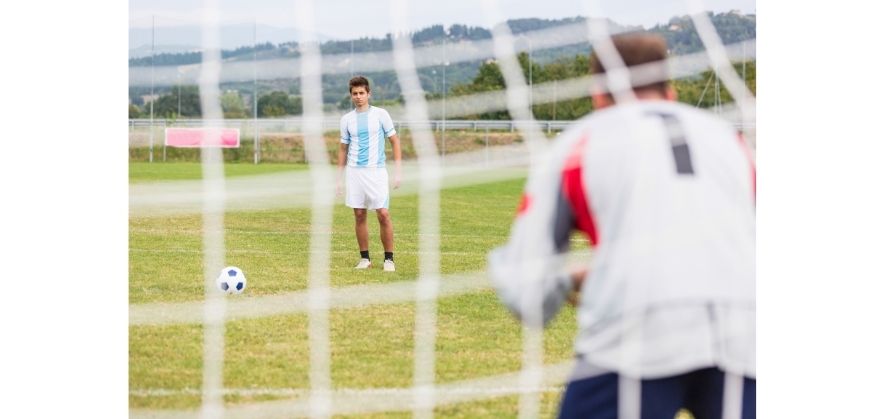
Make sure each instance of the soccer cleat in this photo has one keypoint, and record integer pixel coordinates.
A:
(389, 266)
(364, 264)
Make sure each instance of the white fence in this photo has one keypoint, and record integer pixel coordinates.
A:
(294, 124)
(149, 133)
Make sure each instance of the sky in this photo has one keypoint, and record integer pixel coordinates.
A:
(350, 19)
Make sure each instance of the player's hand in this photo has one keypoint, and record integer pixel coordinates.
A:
(338, 188)
(396, 180)
(578, 275)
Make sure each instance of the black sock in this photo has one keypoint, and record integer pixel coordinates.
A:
(364, 254)
(388, 256)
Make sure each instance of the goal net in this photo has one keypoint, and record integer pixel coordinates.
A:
(433, 121)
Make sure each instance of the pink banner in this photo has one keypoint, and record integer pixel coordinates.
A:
(199, 137)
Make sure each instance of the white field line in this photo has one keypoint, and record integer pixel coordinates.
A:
(353, 401)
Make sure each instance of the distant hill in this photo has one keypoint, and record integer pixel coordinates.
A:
(174, 40)
(678, 31)
(683, 39)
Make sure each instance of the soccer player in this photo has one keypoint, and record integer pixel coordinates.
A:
(363, 134)
(665, 194)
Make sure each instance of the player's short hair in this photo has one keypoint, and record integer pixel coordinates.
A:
(359, 81)
(636, 49)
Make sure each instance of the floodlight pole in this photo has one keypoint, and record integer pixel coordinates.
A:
(531, 92)
(151, 148)
(445, 64)
(718, 98)
(555, 98)
(744, 76)
(255, 88)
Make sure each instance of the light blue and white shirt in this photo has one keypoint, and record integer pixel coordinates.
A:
(366, 132)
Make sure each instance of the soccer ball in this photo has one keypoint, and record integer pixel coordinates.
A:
(231, 280)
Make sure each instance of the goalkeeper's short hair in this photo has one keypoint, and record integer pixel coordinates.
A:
(636, 49)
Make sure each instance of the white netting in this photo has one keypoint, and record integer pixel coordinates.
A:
(426, 176)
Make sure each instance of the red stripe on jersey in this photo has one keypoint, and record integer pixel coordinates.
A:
(576, 194)
(749, 155)
(523, 204)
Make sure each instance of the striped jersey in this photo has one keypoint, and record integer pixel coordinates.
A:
(366, 132)
(665, 195)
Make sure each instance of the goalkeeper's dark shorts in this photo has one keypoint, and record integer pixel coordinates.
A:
(700, 392)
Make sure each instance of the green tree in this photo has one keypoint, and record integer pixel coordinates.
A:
(488, 78)
(701, 90)
(232, 105)
(183, 98)
(134, 112)
(278, 103)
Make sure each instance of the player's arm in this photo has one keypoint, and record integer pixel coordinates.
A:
(533, 265)
(397, 158)
(390, 133)
(533, 262)
(342, 156)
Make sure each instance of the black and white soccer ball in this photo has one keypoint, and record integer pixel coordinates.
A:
(231, 280)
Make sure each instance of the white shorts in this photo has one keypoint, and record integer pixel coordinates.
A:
(367, 187)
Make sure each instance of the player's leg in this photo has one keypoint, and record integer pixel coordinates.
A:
(356, 199)
(378, 193)
(704, 398)
(748, 407)
(362, 236)
(594, 392)
(386, 227)
(591, 398)
(663, 397)
(360, 215)
(707, 392)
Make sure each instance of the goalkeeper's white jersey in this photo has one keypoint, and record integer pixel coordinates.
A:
(666, 195)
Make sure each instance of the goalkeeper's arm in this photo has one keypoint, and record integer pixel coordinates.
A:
(532, 265)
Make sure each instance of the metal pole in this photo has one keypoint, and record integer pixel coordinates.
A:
(151, 148)
(555, 98)
(445, 64)
(718, 100)
(531, 92)
(487, 144)
(255, 89)
(744, 76)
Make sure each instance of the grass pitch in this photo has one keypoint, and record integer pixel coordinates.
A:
(371, 347)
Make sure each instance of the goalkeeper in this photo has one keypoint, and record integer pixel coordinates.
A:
(665, 193)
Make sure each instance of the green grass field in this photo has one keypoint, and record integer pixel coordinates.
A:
(371, 347)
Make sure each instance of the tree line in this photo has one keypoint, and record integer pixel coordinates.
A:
(700, 90)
